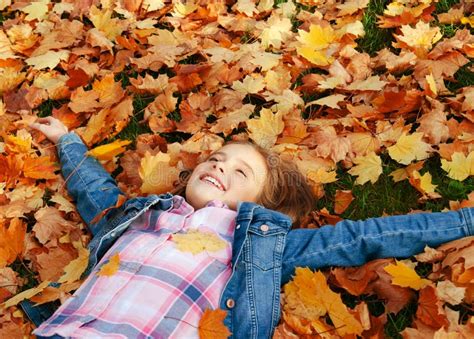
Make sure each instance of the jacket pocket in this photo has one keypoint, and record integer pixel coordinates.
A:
(264, 246)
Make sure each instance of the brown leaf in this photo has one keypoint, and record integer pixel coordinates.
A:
(430, 309)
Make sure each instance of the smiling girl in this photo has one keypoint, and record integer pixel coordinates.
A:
(244, 202)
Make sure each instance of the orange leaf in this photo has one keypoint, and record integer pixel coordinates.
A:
(109, 151)
(111, 267)
(11, 241)
(120, 200)
(342, 201)
(211, 325)
(430, 309)
(40, 168)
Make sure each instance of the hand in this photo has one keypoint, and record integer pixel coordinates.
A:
(51, 127)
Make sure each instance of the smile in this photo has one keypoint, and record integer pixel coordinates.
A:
(213, 181)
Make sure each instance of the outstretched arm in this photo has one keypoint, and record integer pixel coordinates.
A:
(352, 243)
(89, 184)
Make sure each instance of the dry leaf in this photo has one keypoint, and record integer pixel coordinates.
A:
(111, 267)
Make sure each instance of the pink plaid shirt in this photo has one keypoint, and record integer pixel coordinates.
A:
(158, 291)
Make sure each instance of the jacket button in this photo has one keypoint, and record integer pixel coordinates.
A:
(264, 228)
(238, 226)
(230, 303)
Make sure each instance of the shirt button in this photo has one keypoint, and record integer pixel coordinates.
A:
(238, 226)
(112, 234)
(230, 303)
(264, 228)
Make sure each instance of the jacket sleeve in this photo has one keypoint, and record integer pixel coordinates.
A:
(89, 184)
(353, 243)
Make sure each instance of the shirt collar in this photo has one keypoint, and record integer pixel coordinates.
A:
(181, 203)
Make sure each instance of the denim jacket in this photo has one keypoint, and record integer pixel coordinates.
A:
(265, 251)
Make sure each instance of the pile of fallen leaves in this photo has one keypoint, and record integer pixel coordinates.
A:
(287, 75)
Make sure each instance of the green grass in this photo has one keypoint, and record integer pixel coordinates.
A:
(375, 38)
(445, 5)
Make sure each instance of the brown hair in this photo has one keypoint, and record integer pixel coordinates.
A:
(285, 190)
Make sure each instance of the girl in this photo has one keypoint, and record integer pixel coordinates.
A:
(238, 206)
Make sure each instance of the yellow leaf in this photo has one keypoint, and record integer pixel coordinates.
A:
(318, 37)
(265, 130)
(321, 175)
(468, 20)
(330, 101)
(110, 268)
(181, 10)
(211, 325)
(152, 5)
(421, 37)
(103, 21)
(423, 183)
(196, 242)
(109, 151)
(409, 148)
(156, 173)
(431, 84)
(460, 167)
(250, 84)
(74, 270)
(315, 43)
(36, 10)
(50, 59)
(372, 83)
(308, 296)
(25, 295)
(368, 168)
(404, 276)
(110, 92)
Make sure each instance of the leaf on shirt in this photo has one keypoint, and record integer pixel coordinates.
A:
(196, 242)
(211, 325)
(111, 267)
(404, 276)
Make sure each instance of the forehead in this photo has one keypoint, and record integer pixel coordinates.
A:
(239, 150)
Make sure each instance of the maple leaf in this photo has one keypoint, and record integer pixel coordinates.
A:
(372, 83)
(315, 43)
(460, 167)
(103, 21)
(11, 241)
(330, 144)
(450, 293)
(430, 310)
(265, 130)
(108, 151)
(156, 173)
(36, 10)
(109, 91)
(420, 38)
(250, 85)
(368, 168)
(409, 148)
(330, 101)
(74, 270)
(211, 325)
(27, 294)
(111, 267)
(309, 296)
(40, 168)
(342, 200)
(195, 241)
(404, 276)
(423, 184)
(48, 60)
(50, 224)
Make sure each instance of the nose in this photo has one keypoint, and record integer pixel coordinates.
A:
(219, 167)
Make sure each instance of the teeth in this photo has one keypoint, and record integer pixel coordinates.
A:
(214, 182)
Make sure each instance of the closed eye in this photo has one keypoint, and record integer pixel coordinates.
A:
(213, 159)
(242, 172)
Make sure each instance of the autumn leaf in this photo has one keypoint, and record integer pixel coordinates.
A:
(74, 270)
(108, 151)
(111, 267)
(404, 276)
(429, 309)
(460, 167)
(368, 168)
(12, 239)
(40, 168)
(195, 242)
(211, 325)
(156, 173)
(409, 148)
(265, 130)
(314, 44)
(27, 294)
(342, 201)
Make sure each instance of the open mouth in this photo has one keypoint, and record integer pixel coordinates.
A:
(212, 181)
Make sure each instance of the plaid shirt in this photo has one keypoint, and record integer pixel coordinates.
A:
(158, 291)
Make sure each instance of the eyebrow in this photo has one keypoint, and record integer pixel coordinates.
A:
(242, 161)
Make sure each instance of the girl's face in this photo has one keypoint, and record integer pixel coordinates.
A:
(236, 172)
